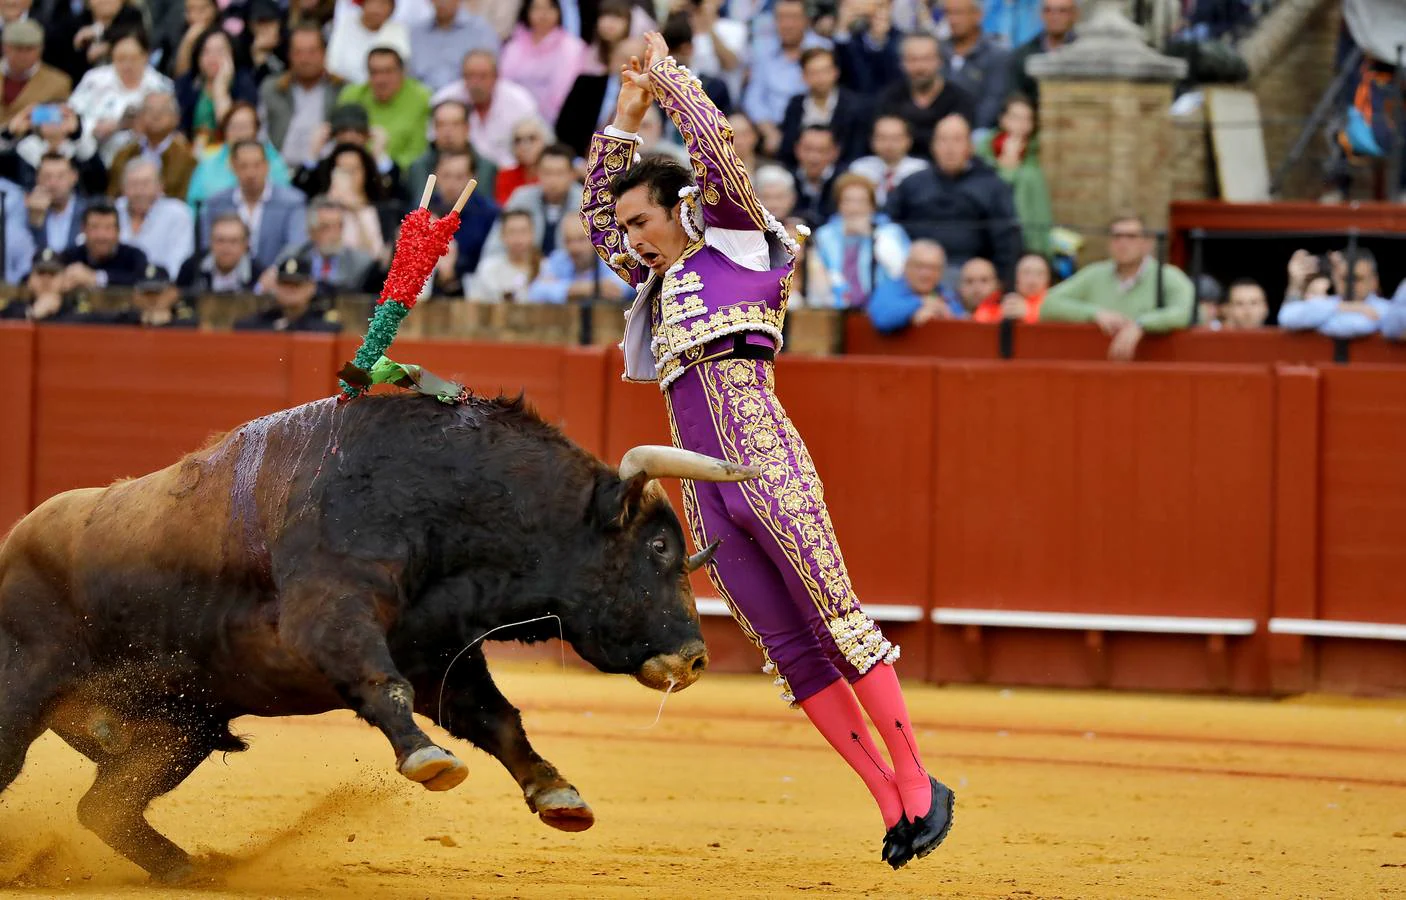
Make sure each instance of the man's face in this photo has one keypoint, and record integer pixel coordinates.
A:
(100, 231)
(653, 231)
(1058, 17)
(374, 13)
(1032, 276)
(790, 23)
(963, 19)
(1246, 307)
(14, 10)
(1364, 281)
(821, 74)
(952, 145)
(451, 127)
(58, 179)
(21, 59)
(555, 175)
(293, 297)
(159, 117)
(446, 10)
(578, 245)
(816, 151)
(251, 169)
(386, 75)
(779, 199)
(326, 227)
(141, 187)
(452, 176)
(978, 282)
(480, 77)
(891, 140)
(921, 63)
(228, 245)
(924, 269)
(1127, 243)
(306, 56)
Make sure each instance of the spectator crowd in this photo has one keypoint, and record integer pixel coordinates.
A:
(248, 146)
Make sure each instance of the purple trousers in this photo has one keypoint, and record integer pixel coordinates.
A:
(779, 567)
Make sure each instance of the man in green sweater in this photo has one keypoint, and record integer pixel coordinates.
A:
(1120, 294)
(398, 105)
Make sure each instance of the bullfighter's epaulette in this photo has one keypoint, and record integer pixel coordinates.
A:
(406, 375)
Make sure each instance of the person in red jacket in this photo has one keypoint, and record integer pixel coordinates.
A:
(1032, 280)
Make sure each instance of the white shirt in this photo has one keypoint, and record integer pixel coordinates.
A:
(253, 216)
(491, 133)
(309, 105)
(350, 42)
(101, 95)
(705, 56)
(167, 235)
(884, 177)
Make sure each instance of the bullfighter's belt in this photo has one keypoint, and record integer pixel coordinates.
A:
(733, 346)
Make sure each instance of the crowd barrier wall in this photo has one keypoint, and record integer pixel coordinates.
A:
(1162, 526)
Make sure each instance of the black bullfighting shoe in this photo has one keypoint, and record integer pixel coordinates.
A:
(898, 849)
(926, 832)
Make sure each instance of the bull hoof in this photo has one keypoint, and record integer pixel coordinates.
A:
(435, 768)
(180, 874)
(563, 809)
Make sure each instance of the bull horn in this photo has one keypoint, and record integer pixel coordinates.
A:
(702, 557)
(671, 462)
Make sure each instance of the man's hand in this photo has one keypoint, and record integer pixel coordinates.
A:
(1111, 322)
(931, 311)
(106, 128)
(1014, 306)
(1124, 346)
(78, 276)
(636, 90)
(1302, 266)
(38, 203)
(581, 290)
(20, 124)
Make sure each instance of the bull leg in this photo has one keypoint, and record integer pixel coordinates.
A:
(349, 649)
(476, 711)
(147, 760)
(27, 688)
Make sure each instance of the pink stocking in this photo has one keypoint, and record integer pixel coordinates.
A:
(835, 714)
(882, 697)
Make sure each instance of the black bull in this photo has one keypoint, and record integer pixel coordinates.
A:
(336, 555)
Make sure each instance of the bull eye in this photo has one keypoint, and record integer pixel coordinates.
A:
(658, 545)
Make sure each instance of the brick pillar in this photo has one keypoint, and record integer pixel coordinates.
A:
(1106, 136)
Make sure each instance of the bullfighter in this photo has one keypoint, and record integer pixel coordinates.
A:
(712, 270)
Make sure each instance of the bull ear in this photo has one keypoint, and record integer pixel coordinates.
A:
(617, 502)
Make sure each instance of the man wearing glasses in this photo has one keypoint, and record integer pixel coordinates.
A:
(1122, 295)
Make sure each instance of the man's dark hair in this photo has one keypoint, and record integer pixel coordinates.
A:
(51, 156)
(309, 28)
(664, 177)
(818, 129)
(465, 154)
(98, 208)
(815, 53)
(388, 51)
(560, 151)
(515, 214)
(240, 145)
(132, 33)
(451, 104)
(1362, 254)
(1241, 282)
(677, 31)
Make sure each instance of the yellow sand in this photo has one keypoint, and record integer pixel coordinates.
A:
(731, 795)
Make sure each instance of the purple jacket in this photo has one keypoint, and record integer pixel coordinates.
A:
(708, 293)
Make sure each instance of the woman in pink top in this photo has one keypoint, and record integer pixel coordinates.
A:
(542, 57)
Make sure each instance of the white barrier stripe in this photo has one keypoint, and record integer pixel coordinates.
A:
(1332, 628)
(1007, 618)
(879, 612)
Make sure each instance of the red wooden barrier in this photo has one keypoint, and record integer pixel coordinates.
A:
(1244, 492)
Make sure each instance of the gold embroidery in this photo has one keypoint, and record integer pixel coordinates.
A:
(753, 428)
(694, 519)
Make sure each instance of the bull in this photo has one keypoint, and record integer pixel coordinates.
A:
(338, 555)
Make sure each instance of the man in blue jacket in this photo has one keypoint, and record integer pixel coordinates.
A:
(961, 203)
(919, 296)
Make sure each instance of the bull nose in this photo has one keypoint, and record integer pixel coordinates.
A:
(675, 671)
